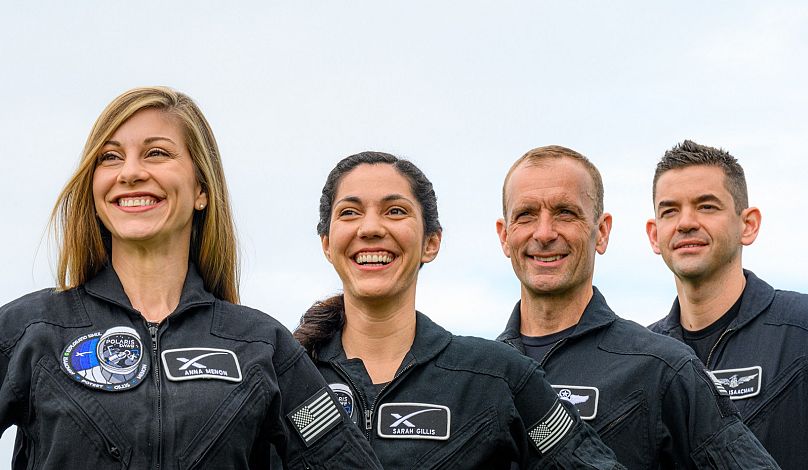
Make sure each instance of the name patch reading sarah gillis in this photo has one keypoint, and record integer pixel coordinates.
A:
(201, 363)
(414, 421)
(110, 360)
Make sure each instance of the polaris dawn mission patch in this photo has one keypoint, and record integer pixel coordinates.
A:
(110, 360)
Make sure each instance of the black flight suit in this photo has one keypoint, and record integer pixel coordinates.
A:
(212, 386)
(647, 396)
(462, 403)
(762, 361)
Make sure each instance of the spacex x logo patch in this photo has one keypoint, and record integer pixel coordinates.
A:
(414, 421)
(740, 383)
(201, 363)
(584, 398)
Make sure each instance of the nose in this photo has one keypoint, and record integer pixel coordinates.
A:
(687, 221)
(371, 226)
(544, 230)
(132, 171)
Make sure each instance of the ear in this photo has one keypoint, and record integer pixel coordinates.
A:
(651, 230)
(604, 229)
(751, 218)
(502, 232)
(431, 247)
(326, 247)
(201, 201)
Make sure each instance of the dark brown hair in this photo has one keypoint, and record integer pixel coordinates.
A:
(689, 153)
(326, 317)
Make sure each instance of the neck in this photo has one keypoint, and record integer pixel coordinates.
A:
(702, 302)
(545, 314)
(380, 333)
(152, 279)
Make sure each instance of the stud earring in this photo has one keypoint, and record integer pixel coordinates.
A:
(201, 206)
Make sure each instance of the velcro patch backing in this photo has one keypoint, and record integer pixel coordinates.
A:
(552, 428)
(315, 417)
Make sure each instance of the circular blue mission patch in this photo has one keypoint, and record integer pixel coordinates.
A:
(110, 360)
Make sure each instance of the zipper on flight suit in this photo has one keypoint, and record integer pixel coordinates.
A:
(153, 331)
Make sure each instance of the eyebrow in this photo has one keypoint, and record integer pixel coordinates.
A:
(148, 140)
(703, 198)
(388, 198)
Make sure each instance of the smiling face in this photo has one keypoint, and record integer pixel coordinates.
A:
(376, 237)
(696, 228)
(549, 231)
(144, 185)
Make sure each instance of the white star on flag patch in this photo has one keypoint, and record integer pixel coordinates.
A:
(315, 416)
(552, 428)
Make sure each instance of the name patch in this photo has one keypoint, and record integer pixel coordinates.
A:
(584, 398)
(201, 363)
(110, 360)
(741, 383)
(414, 421)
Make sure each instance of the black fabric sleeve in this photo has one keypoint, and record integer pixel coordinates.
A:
(549, 433)
(310, 428)
(703, 428)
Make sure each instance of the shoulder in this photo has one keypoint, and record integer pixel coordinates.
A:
(790, 308)
(48, 306)
(486, 357)
(627, 337)
(245, 324)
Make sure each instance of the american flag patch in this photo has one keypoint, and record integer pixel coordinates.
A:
(552, 428)
(315, 416)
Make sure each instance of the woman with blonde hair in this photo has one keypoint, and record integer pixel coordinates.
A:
(141, 357)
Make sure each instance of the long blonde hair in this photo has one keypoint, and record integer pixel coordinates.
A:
(84, 243)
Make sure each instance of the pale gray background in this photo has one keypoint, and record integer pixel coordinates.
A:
(461, 88)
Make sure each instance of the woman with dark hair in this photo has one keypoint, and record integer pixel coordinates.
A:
(423, 397)
(140, 358)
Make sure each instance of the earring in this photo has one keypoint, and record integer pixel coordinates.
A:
(201, 206)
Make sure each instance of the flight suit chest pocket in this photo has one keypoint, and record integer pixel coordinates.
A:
(227, 437)
(625, 429)
(69, 426)
(781, 401)
(464, 446)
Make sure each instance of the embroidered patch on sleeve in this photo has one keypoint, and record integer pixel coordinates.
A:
(315, 417)
(552, 428)
(718, 385)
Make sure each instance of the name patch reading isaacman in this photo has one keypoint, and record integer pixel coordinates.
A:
(201, 363)
(110, 360)
(740, 383)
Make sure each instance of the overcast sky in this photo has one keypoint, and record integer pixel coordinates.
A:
(460, 88)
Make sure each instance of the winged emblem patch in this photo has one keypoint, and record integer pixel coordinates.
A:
(741, 383)
(584, 398)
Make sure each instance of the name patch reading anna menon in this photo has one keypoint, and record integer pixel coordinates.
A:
(201, 363)
(414, 421)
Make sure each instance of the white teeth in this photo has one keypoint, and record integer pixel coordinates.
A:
(548, 259)
(136, 202)
(374, 258)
